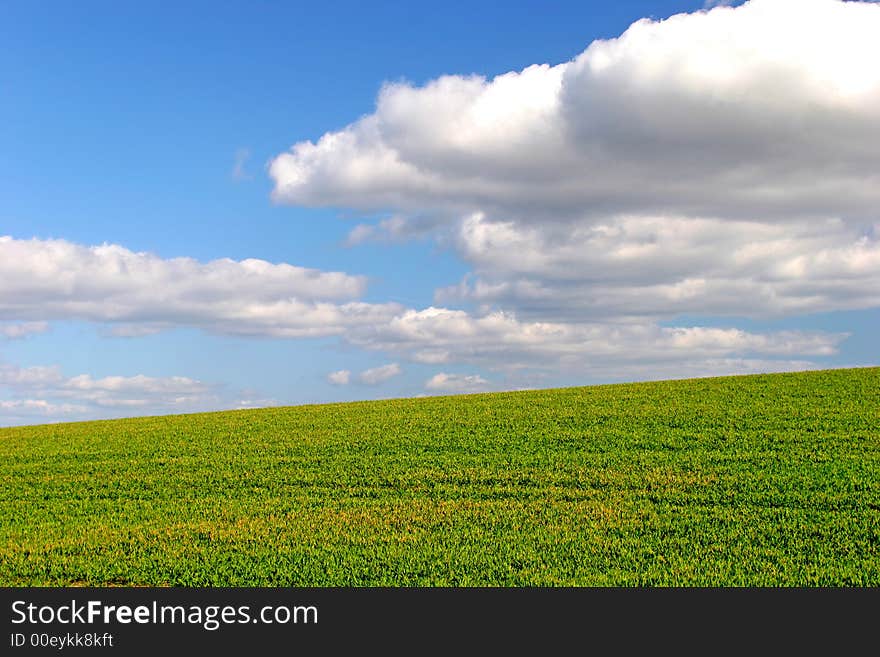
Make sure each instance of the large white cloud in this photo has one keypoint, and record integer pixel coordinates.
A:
(723, 162)
(770, 110)
(141, 292)
(137, 390)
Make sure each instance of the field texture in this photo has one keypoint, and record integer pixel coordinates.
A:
(758, 480)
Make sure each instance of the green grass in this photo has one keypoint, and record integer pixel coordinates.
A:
(757, 480)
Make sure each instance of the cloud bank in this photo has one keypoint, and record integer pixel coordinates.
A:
(661, 267)
(142, 293)
(44, 393)
(500, 341)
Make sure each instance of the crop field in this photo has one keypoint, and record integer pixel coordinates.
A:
(753, 480)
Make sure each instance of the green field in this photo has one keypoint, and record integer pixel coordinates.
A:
(754, 480)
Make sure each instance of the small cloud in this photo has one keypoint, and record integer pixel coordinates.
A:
(396, 228)
(456, 382)
(431, 356)
(393, 230)
(239, 173)
(16, 330)
(133, 330)
(257, 403)
(380, 374)
(339, 378)
(359, 234)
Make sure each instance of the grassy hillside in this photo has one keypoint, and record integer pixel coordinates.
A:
(758, 480)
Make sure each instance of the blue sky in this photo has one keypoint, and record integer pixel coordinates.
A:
(641, 210)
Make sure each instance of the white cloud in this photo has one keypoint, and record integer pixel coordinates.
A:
(257, 402)
(767, 111)
(359, 234)
(141, 292)
(502, 342)
(15, 330)
(339, 378)
(377, 375)
(36, 393)
(458, 383)
(666, 266)
(395, 229)
(136, 390)
(31, 378)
